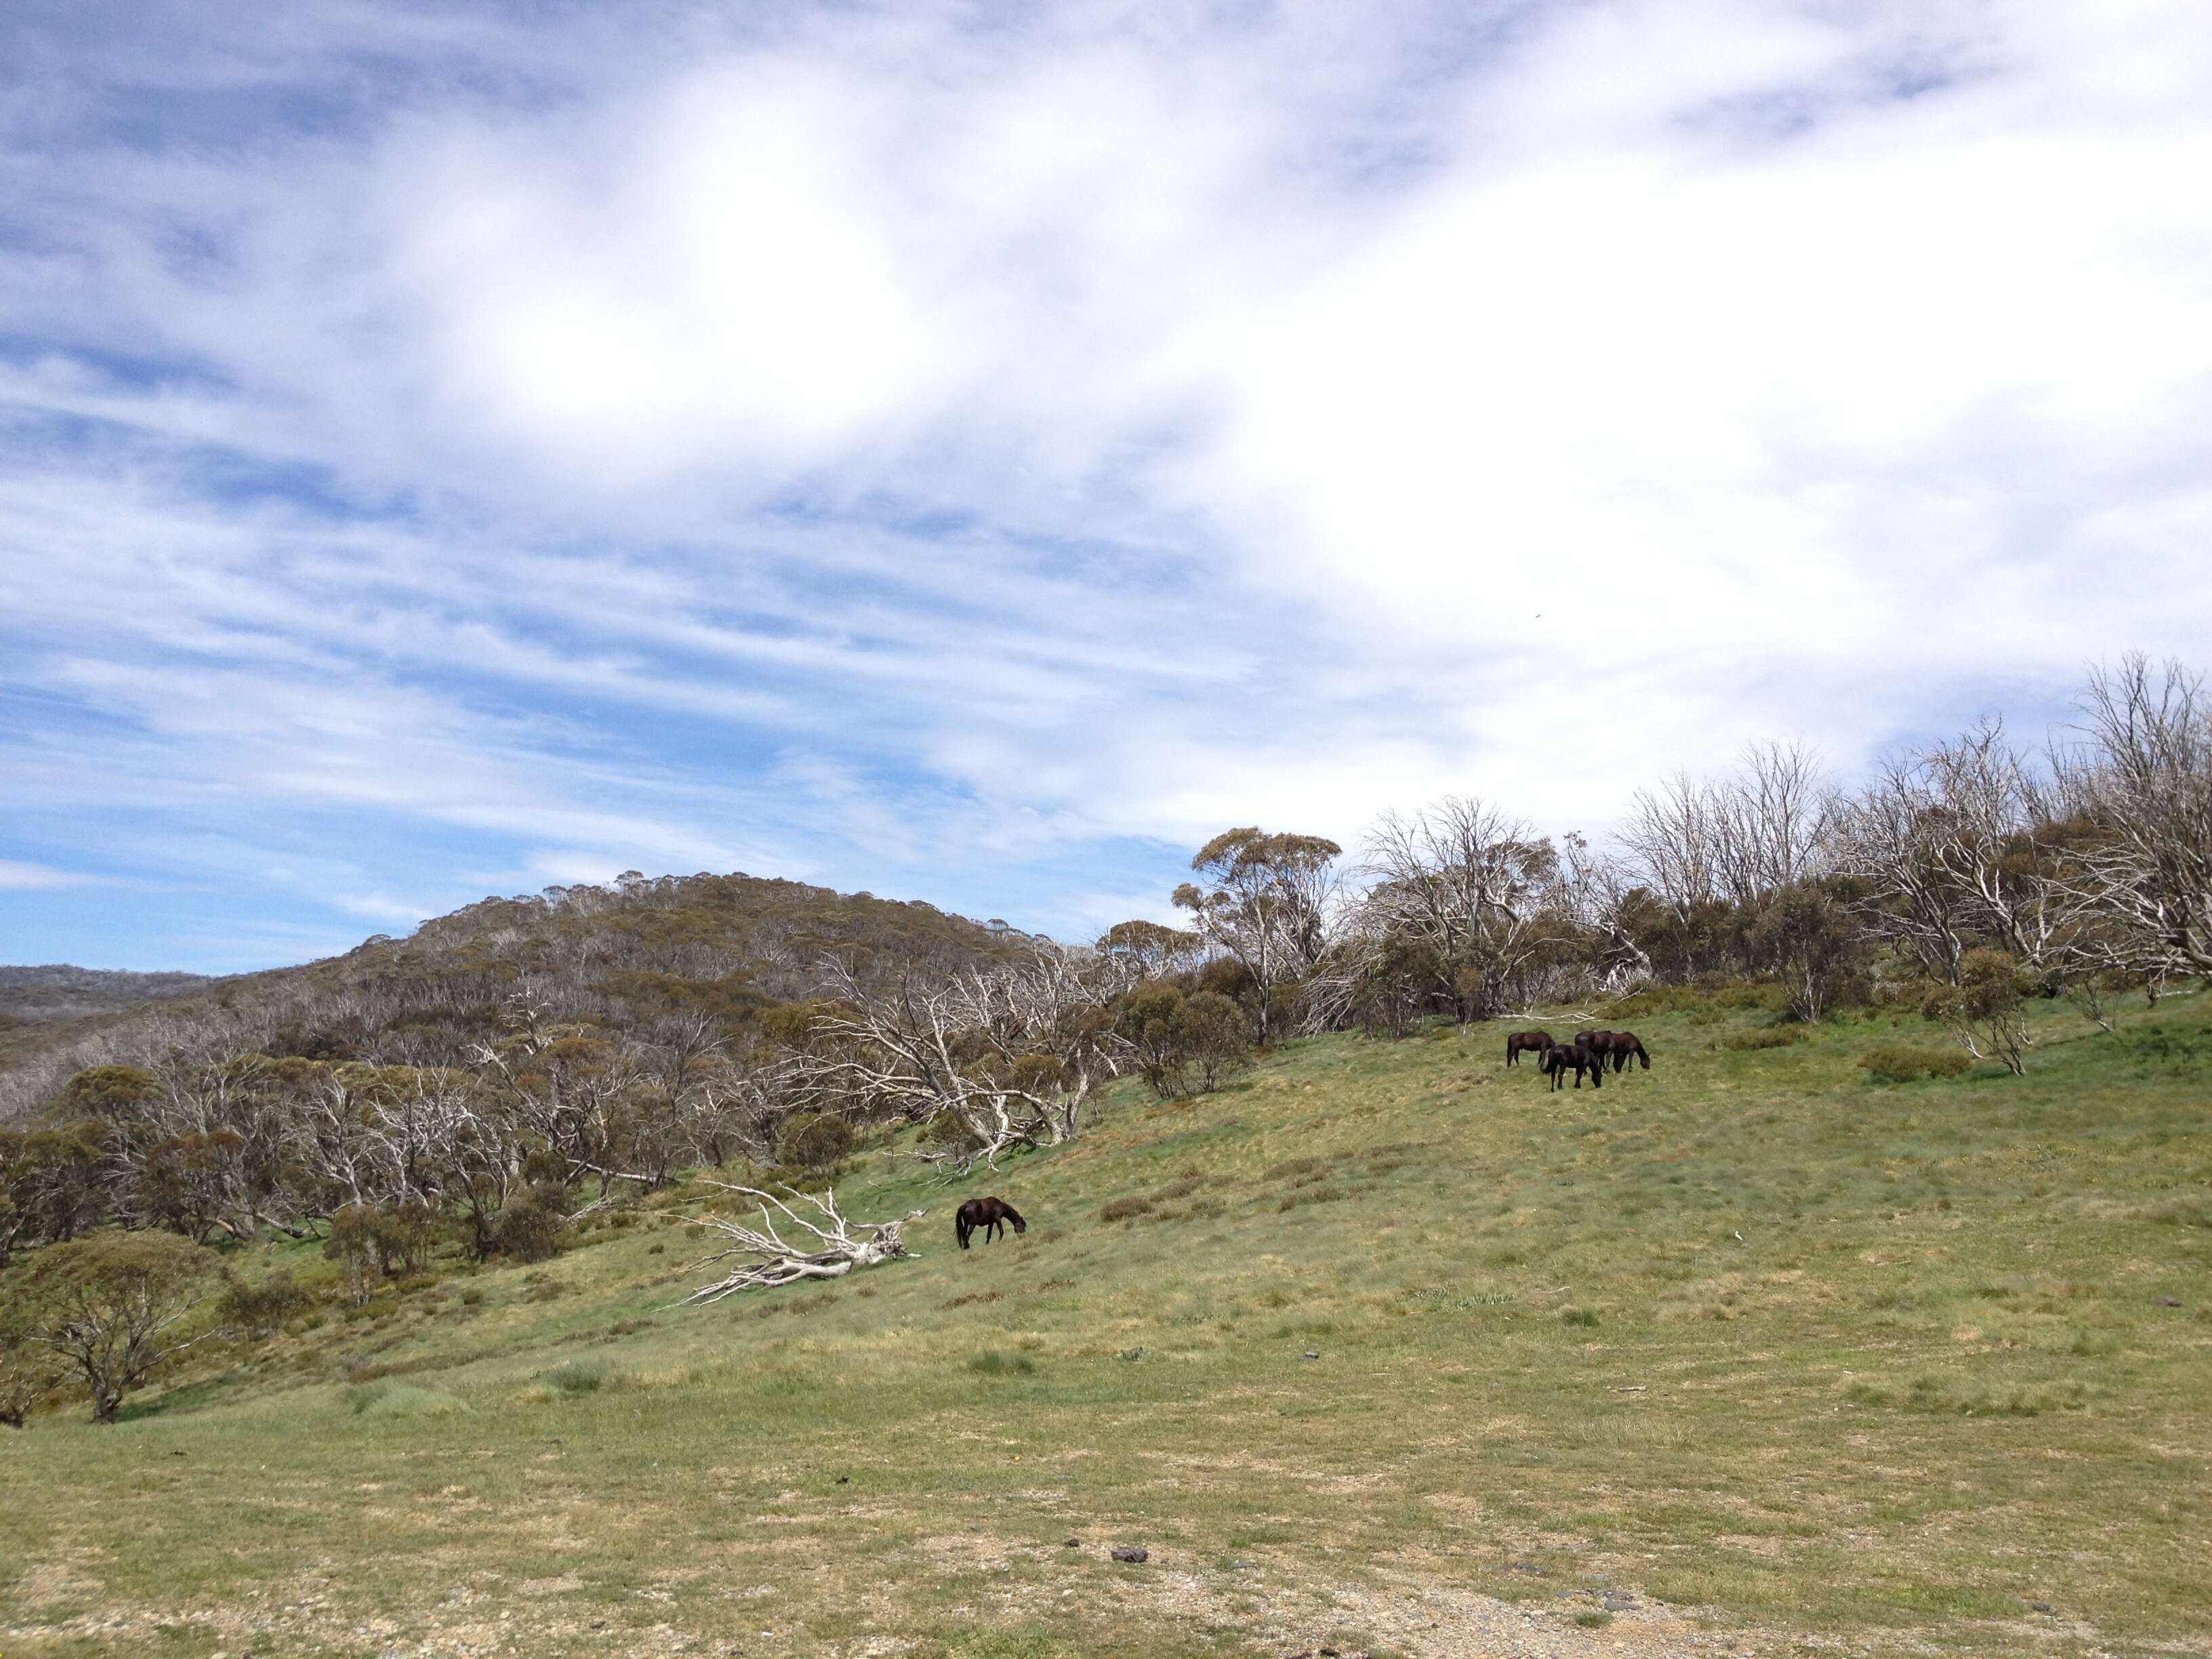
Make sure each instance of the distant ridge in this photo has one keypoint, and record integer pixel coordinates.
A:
(59, 991)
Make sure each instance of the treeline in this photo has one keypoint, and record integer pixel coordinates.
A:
(517, 1064)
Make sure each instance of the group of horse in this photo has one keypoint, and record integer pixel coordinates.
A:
(1591, 1051)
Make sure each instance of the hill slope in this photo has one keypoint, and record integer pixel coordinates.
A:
(729, 946)
(1389, 1349)
(59, 991)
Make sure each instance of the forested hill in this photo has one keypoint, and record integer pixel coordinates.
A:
(59, 991)
(631, 955)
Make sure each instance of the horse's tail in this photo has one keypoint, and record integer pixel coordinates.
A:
(960, 1229)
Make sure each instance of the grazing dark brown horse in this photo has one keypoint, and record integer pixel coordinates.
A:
(988, 1214)
(1562, 1057)
(1623, 1045)
(1518, 1043)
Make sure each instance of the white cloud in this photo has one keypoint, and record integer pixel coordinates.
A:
(22, 876)
(866, 441)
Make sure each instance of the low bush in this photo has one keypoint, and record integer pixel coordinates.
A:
(578, 1376)
(1902, 1062)
(1125, 1209)
(993, 1363)
(264, 1307)
(1768, 1036)
(814, 1141)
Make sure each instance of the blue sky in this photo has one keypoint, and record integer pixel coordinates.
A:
(975, 453)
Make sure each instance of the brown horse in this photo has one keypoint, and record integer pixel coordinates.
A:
(1624, 1046)
(1562, 1057)
(987, 1215)
(1526, 1043)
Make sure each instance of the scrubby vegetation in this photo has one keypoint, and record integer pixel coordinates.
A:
(1906, 1005)
(1749, 1339)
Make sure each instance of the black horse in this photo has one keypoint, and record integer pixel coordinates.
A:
(1625, 1046)
(1526, 1043)
(1562, 1057)
(990, 1215)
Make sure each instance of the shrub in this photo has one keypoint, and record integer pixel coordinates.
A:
(27, 1366)
(264, 1308)
(1180, 1040)
(529, 1225)
(1125, 1209)
(814, 1141)
(993, 1363)
(1768, 1036)
(113, 1306)
(1983, 1009)
(578, 1376)
(1901, 1062)
(392, 1240)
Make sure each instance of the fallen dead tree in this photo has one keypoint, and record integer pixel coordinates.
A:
(836, 1249)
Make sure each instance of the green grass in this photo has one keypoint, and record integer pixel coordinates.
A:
(1770, 1344)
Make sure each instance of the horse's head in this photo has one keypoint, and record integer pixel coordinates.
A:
(1020, 1226)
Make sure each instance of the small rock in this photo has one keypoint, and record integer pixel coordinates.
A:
(1618, 1601)
(1243, 1566)
(1526, 1566)
(1329, 1653)
(1308, 1354)
(1131, 1552)
(2163, 1301)
(1075, 1543)
(2041, 1607)
(844, 1480)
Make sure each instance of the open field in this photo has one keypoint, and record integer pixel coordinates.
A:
(1390, 1350)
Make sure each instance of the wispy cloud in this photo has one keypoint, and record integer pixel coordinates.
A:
(977, 454)
(16, 873)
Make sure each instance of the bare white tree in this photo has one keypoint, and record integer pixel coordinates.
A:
(1954, 845)
(1480, 890)
(1011, 1055)
(2143, 776)
(826, 1247)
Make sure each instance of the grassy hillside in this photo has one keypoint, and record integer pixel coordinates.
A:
(1390, 1349)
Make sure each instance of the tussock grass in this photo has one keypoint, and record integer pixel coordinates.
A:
(1874, 1368)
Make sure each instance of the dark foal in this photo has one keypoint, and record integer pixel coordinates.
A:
(1526, 1043)
(989, 1215)
(1562, 1057)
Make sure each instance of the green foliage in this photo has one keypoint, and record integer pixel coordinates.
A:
(1768, 1036)
(111, 1305)
(1400, 981)
(993, 1363)
(578, 1376)
(1185, 1042)
(261, 1307)
(107, 1092)
(1902, 1062)
(530, 1226)
(1984, 1010)
(814, 1141)
(372, 1242)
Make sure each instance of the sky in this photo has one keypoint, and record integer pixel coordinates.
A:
(975, 453)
